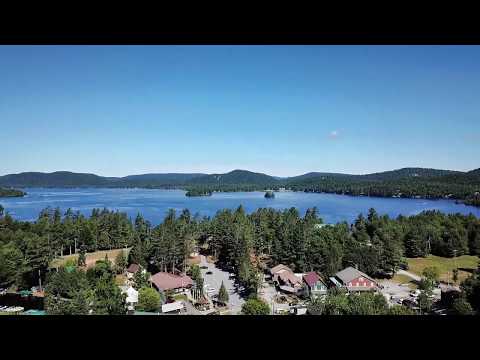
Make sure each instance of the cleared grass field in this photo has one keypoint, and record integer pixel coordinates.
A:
(444, 265)
(91, 258)
(404, 279)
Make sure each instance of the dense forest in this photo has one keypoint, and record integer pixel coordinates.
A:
(241, 242)
(407, 182)
(376, 244)
(11, 193)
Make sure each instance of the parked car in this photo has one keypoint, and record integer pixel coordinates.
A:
(211, 289)
(203, 267)
(209, 273)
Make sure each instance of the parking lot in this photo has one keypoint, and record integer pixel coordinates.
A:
(395, 290)
(214, 280)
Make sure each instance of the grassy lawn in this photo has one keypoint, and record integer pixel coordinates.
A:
(120, 279)
(91, 258)
(444, 265)
(404, 279)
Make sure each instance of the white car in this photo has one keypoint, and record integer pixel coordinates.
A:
(211, 289)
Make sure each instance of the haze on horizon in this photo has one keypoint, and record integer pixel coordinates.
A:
(279, 110)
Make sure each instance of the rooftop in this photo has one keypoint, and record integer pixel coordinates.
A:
(167, 281)
(311, 278)
(348, 274)
(133, 268)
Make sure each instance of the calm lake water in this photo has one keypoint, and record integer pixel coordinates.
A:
(153, 204)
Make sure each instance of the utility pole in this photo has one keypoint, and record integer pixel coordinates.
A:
(455, 260)
(39, 280)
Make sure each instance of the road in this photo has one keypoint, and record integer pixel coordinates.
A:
(409, 274)
(215, 279)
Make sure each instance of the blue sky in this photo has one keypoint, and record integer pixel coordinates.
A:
(281, 110)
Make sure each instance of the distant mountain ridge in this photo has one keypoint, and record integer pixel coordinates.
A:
(405, 182)
(235, 177)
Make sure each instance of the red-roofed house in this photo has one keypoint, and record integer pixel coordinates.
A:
(315, 284)
(165, 281)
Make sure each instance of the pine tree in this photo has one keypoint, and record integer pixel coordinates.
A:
(223, 294)
(82, 259)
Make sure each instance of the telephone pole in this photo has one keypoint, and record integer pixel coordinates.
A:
(39, 280)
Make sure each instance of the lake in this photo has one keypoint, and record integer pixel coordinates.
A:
(154, 203)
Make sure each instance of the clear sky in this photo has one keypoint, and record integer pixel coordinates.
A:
(281, 110)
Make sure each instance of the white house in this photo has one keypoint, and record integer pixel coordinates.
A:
(132, 297)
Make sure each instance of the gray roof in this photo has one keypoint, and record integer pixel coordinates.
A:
(350, 273)
(335, 282)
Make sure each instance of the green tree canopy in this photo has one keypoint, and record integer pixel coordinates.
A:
(223, 294)
(255, 307)
(148, 299)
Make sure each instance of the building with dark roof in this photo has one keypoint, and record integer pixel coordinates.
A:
(164, 281)
(132, 269)
(354, 280)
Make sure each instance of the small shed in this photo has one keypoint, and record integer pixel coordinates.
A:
(132, 269)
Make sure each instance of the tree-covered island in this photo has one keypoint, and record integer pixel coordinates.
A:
(11, 193)
(269, 194)
(198, 192)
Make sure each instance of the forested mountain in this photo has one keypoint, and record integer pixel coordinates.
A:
(406, 173)
(475, 172)
(68, 179)
(55, 179)
(406, 182)
(315, 176)
(235, 177)
(158, 179)
(393, 175)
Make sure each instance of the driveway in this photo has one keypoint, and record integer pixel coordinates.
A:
(215, 279)
(409, 274)
(267, 293)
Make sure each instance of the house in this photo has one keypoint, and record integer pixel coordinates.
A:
(131, 270)
(354, 280)
(132, 297)
(287, 281)
(315, 284)
(164, 281)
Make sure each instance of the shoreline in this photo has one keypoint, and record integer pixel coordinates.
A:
(417, 197)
